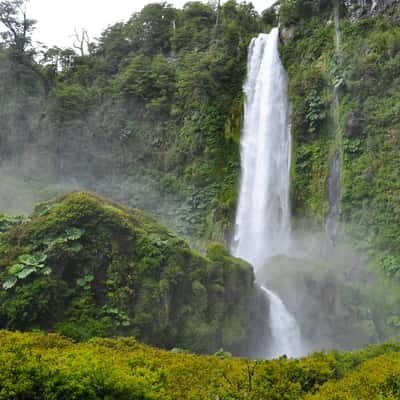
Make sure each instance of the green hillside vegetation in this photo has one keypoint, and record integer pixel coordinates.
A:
(158, 97)
(86, 267)
(366, 73)
(45, 367)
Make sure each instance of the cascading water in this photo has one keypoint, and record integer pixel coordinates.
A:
(286, 336)
(263, 214)
(335, 167)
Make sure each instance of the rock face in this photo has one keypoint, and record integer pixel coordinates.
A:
(363, 125)
(85, 267)
(353, 124)
(358, 8)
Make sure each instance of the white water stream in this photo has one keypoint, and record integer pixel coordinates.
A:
(263, 214)
(335, 167)
(286, 336)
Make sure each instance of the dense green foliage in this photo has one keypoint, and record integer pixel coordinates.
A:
(86, 267)
(365, 70)
(42, 367)
(157, 102)
(157, 96)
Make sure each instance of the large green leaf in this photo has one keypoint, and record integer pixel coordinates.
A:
(46, 271)
(76, 247)
(33, 260)
(81, 282)
(16, 269)
(10, 283)
(40, 258)
(26, 272)
(89, 278)
(74, 233)
(27, 259)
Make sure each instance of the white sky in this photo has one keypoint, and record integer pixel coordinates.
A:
(57, 19)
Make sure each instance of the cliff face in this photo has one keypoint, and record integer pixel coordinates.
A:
(359, 8)
(85, 267)
(343, 63)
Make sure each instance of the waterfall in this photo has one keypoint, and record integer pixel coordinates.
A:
(263, 214)
(335, 166)
(338, 41)
(286, 336)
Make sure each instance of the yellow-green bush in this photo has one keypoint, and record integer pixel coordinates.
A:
(46, 367)
(378, 378)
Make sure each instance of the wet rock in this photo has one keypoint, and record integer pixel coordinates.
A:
(287, 34)
(369, 175)
(359, 8)
(353, 124)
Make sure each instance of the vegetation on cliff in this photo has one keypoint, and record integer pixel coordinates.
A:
(343, 62)
(157, 97)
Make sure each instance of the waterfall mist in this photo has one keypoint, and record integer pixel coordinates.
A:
(335, 167)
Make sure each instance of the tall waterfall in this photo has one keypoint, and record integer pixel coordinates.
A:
(263, 214)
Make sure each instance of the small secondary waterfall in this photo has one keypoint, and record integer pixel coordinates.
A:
(338, 40)
(263, 214)
(286, 336)
(335, 167)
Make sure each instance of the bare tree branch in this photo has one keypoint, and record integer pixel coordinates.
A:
(81, 42)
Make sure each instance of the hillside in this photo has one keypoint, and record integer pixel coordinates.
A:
(141, 114)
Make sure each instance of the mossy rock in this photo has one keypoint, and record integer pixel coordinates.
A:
(114, 271)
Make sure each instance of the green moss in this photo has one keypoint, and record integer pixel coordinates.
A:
(233, 125)
(144, 280)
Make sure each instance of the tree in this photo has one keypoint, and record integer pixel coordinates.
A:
(60, 60)
(17, 39)
(151, 30)
(196, 24)
(151, 81)
(82, 42)
(114, 47)
(19, 27)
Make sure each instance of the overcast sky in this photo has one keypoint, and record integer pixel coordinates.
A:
(58, 18)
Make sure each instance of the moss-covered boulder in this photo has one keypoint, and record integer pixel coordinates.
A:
(85, 267)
